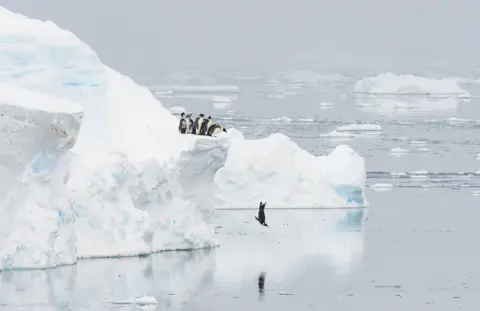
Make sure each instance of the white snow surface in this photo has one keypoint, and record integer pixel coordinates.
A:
(131, 184)
(277, 170)
(407, 84)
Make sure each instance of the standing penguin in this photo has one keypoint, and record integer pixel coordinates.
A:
(190, 124)
(182, 125)
(198, 124)
(206, 123)
(261, 214)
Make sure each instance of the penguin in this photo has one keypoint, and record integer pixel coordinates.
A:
(261, 214)
(182, 125)
(198, 124)
(190, 124)
(205, 125)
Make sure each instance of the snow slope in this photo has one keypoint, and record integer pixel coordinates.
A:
(135, 184)
(36, 218)
(277, 170)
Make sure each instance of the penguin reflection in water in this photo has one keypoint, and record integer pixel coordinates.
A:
(261, 285)
(261, 214)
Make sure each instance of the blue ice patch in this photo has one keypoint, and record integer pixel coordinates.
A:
(44, 162)
(351, 194)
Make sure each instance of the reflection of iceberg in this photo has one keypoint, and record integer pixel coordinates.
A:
(93, 284)
(295, 238)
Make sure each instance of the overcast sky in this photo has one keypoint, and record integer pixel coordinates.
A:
(147, 36)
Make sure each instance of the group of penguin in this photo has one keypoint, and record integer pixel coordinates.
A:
(201, 125)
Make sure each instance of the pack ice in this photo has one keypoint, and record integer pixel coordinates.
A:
(93, 166)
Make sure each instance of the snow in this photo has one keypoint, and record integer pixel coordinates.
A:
(126, 184)
(277, 170)
(391, 84)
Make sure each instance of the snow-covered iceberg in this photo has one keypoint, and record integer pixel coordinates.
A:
(277, 170)
(94, 166)
(390, 84)
(36, 217)
(131, 184)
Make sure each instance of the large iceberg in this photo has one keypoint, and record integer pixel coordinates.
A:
(277, 170)
(94, 166)
(130, 185)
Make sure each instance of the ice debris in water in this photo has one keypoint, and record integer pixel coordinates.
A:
(359, 127)
(382, 187)
(142, 301)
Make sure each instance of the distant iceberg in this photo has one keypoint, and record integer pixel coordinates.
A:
(391, 84)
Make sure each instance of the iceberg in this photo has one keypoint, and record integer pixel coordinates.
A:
(391, 84)
(93, 164)
(277, 170)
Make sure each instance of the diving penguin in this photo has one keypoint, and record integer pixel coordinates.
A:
(261, 214)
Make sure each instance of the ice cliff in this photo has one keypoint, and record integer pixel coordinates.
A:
(131, 184)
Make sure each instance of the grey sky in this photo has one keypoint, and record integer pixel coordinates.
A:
(149, 37)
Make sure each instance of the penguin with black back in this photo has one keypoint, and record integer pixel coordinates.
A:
(261, 214)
